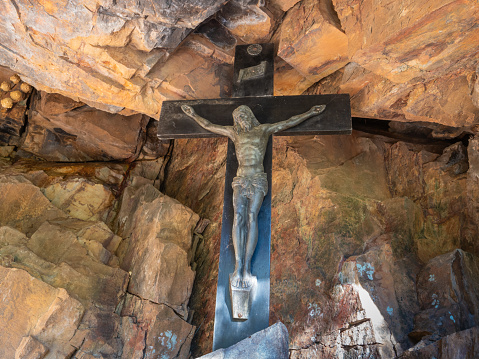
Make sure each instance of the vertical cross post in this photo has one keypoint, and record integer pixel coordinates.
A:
(253, 76)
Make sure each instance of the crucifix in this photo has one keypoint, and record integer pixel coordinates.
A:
(249, 119)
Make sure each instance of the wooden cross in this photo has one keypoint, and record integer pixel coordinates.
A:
(253, 81)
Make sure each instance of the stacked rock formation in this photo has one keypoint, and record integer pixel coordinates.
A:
(374, 235)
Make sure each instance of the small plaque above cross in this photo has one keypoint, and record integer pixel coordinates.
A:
(242, 298)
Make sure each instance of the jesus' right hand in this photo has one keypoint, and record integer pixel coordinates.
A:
(188, 110)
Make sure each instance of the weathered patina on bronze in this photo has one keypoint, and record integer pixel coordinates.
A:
(250, 184)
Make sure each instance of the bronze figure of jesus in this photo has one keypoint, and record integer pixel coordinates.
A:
(250, 185)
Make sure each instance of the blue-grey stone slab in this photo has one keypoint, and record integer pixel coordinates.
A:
(270, 343)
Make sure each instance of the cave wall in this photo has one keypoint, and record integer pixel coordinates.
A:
(374, 248)
(105, 231)
(408, 61)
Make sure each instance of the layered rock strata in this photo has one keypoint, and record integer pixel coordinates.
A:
(406, 62)
(360, 225)
(74, 288)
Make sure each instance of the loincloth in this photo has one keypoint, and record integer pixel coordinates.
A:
(250, 185)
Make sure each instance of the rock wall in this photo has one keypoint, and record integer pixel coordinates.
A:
(374, 237)
(94, 262)
(373, 243)
(406, 62)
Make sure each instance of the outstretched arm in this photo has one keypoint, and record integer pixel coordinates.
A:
(207, 125)
(295, 120)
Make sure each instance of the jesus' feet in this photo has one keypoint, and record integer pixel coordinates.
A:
(241, 281)
(248, 279)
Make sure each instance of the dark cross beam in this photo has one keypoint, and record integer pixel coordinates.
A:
(253, 79)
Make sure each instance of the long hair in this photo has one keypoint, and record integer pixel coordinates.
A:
(247, 122)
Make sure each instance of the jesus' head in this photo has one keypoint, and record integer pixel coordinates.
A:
(244, 119)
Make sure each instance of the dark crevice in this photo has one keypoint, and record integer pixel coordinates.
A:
(166, 165)
(413, 132)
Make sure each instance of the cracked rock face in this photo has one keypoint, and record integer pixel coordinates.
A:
(71, 287)
(405, 62)
(359, 224)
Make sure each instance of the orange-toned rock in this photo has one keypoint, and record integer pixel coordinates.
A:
(32, 307)
(414, 40)
(80, 198)
(98, 52)
(159, 233)
(57, 133)
(248, 22)
(24, 207)
(153, 330)
(189, 74)
(438, 184)
(287, 80)
(364, 200)
(444, 100)
(448, 288)
(311, 40)
(284, 5)
(30, 348)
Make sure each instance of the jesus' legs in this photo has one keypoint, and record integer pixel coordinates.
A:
(252, 236)
(240, 227)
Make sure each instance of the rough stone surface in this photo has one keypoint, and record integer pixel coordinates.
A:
(447, 292)
(354, 219)
(153, 330)
(311, 40)
(24, 207)
(462, 344)
(444, 100)
(360, 223)
(415, 42)
(284, 5)
(270, 343)
(158, 232)
(60, 129)
(63, 293)
(30, 348)
(99, 51)
(419, 63)
(80, 198)
(32, 306)
(249, 23)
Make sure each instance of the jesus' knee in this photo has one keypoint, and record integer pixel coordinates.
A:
(238, 219)
(252, 218)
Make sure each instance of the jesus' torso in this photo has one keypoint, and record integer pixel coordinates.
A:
(250, 148)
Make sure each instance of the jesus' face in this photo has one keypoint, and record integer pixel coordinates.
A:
(244, 119)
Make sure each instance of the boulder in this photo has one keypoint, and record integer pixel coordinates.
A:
(24, 207)
(448, 295)
(444, 100)
(152, 330)
(416, 41)
(60, 129)
(158, 232)
(80, 198)
(249, 23)
(311, 40)
(438, 185)
(30, 348)
(35, 309)
(270, 343)
(97, 52)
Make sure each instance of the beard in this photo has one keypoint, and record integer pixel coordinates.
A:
(243, 126)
